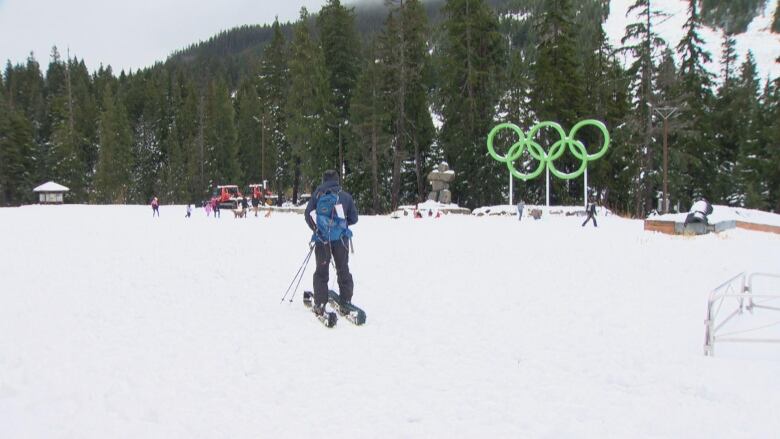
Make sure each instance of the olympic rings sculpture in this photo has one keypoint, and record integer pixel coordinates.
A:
(556, 151)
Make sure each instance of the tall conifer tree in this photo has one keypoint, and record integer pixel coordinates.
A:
(405, 58)
(472, 60)
(220, 137)
(112, 178)
(642, 42)
(696, 83)
(341, 52)
(370, 122)
(273, 92)
(249, 124)
(309, 109)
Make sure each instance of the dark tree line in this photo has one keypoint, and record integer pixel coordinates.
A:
(383, 94)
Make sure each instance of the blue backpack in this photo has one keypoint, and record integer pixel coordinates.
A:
(330, 227)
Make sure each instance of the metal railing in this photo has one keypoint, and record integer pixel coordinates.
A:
(739, 291)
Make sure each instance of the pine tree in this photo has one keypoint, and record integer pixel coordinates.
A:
(341, 52)
(65, 161)
(472, 61)
(643, 42)
(16, 146)
(115, 159)
(149, 115)
(190, 122)
(25, 94)
(220, 137)
(724, 120)
(771, 132)
(370, 119)
(558, 88)
(309, 109)
(404, 54)
(751, 185)
(248, 128)
(695, 84)
(606, 96)
(273, 92)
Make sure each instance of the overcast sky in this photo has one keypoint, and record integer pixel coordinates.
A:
(127, 34)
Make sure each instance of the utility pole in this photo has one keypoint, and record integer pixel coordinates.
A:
(666, 113)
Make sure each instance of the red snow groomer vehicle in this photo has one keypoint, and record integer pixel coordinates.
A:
(228, 196)
(262, 192)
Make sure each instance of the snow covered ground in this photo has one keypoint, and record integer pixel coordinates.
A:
(117, 325)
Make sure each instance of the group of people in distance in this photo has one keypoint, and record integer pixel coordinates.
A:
(213, 205)
(590, 211)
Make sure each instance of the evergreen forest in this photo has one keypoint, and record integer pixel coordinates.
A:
(382, 93)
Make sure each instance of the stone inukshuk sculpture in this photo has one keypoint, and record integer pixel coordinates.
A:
(440, 179)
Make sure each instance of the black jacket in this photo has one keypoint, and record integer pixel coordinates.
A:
(345, 199)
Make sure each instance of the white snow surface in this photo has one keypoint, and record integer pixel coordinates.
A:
(726, 213)
(758, 38)
(117, 325)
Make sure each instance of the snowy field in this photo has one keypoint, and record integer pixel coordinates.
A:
(117, 325)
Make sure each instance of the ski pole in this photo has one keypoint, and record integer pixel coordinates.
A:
(305, 262)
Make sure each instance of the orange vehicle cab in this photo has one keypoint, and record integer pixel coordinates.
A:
(227, 196)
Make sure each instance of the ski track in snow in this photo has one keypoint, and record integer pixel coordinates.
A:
(114, 324)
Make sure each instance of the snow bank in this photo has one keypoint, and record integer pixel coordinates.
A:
(726, 213)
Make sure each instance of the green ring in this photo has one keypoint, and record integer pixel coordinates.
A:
(576, 147)
(494, 131)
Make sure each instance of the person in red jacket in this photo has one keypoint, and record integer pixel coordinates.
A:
(155, 207)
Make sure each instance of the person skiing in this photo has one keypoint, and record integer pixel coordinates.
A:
(329, 214)
(591, 211)
(189, 211)
(520, 207)
(155, 207)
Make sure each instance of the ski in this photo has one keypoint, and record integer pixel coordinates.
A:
(349, 311)
(328, 318)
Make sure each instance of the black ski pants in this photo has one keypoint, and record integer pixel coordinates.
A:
(590, 217)
(323, 252)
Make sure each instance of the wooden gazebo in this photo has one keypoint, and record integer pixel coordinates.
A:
(50, 193)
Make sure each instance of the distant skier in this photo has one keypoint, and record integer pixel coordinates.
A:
(329, 214)
(255, 203)
(590, 209)
(244, 205)
(520, 207)
(215, 207)
(189, 211)
(699, 212)
(155, 207)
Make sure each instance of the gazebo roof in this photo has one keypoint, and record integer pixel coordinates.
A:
(51, 186)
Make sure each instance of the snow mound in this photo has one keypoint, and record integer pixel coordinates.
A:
(727, 213)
